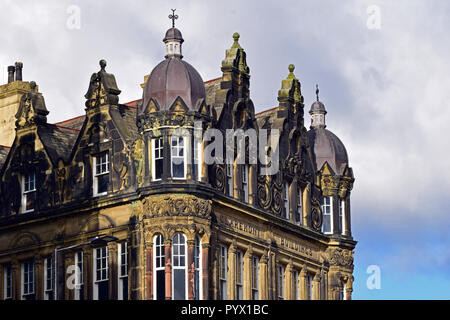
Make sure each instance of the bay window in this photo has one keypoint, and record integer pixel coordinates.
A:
(255, 278)
(239, 276)
(28, 192)
(101, 277)
(179, 275)
(27, 280)
(159, 286)
(178, 157)
(245, 182)
(123, 271)
(223, 271)
(79, 284)
(101, 174)
(7, 282)
(327, 212)
(157, 159)
(280, 282)
(48, 279)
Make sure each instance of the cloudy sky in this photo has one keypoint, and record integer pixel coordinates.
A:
(386, 90)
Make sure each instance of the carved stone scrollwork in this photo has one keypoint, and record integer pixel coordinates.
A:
(340, 257)
(264, 194)
(316, 214)
(218, 180)
(177, 205)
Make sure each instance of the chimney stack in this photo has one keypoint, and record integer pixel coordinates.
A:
(11, 70)
(19, 66)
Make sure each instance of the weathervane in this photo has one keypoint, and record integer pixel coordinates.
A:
(317, 92)
(173, 16)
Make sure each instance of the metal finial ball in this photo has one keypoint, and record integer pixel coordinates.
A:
(236, 36)
(291, 68)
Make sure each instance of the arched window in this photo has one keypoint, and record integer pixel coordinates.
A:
(159, 287)
(179, 272)
(197, 269)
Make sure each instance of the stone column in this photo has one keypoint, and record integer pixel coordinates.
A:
(288, 281)
(16, 275)
(248, 274)
(190, 269)
(39, 284)
(168, 270)
(316, 287)
(112, 270)
(232, 272)
(205, 270)
(348, 228)
(335, 213)
(237, 181)
(167, 161)
(149, 271)
(349, 288)
(307, 205)
(263, 276)
(88, 279)
(302, 284)
(189, 148)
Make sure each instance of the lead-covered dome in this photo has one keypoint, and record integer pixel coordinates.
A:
(173, 78)
(329, 148)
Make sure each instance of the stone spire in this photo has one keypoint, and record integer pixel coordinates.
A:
(317, 112)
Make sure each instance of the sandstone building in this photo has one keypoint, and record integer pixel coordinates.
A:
(116, 194)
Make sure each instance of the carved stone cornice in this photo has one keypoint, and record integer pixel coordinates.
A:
(177, 205)
(340, 257)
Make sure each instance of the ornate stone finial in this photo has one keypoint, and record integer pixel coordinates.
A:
(102, 64)
(173, 17)
(236, 37)
(317, 92)
(291, 69)
(33, 86)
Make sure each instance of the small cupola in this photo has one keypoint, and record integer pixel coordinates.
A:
(317, 112)
(173, 39)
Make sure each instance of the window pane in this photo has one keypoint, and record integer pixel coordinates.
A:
(103, 182)
(179, 286)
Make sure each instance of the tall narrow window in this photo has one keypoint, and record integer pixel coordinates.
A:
(158, 158)
(295, 286)
(178, 157)
(342, 216)
(28, 192)
(255, 278)
(299, 213)
(223, 271)
(286, 200)
(239, 276)
(159, 286)
(179, 278)
(309, 287)
(123, 271)
(79, 285)
(245, 182)
(327, 226)
(101, 174)
(230, 179)
(280, 282)
(48, 279)
(28, 280)
(7, 293)
(197, 272)
(197, 166)
(101, 278)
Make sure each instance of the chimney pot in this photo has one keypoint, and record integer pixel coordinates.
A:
(19, 66)
(11, 70)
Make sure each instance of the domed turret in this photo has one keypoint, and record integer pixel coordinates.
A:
(326, 145)
(173, 78)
